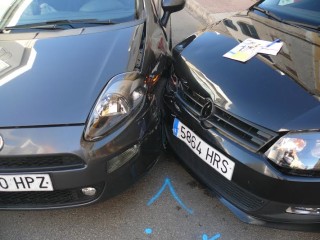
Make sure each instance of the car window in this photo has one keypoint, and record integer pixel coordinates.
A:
(22, 12)
(303, 11)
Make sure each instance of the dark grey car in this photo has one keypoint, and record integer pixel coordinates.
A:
(79, 117)
(249, 129)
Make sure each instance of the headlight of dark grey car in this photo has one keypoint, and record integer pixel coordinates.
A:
(297, 151)
(120, 98)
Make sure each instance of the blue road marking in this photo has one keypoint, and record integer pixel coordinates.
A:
(167, 183)
(215, 237)
(148, 231)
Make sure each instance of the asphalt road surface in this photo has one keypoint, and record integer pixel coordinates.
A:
(141, 213)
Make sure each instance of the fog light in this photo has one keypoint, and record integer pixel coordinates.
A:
(89, 191)
(122, 159)
(303, 210)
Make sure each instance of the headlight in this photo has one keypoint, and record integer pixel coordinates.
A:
(120, 98)
(297, 151)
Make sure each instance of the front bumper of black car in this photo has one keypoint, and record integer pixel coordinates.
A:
(81, 172)
(258, 192)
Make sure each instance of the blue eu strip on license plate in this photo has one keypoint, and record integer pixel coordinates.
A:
(176, 127)
(215, 159)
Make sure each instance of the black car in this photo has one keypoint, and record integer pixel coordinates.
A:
(79, 116)
(250, 130)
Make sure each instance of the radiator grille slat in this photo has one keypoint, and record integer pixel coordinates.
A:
(245, 133)
(52, 162)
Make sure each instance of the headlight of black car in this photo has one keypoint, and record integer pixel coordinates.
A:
(120, 99)
(297, 151)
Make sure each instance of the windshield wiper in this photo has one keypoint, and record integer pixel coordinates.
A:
(268, 13)
(291, 23)
(24, 27)
(303, 25)
(58, 24)
(50, 25)
(98, 22)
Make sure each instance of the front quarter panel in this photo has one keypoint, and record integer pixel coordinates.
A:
(157, 46)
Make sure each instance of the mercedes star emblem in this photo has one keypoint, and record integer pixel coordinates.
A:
(207, 110)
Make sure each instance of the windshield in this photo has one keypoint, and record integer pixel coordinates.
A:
(31, 12)
(301, 11)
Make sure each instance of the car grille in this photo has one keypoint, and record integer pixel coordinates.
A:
(245, 133)
(57, 198)
(52, 162)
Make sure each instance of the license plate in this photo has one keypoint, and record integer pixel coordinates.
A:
(208, 154)
(25, 183)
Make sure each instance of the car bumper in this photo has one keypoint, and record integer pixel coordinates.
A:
(258, 192)
(109, 165)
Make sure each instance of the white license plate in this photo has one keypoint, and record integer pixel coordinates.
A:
(25, 183)
(210, 155)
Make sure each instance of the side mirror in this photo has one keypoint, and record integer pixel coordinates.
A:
(171, 6)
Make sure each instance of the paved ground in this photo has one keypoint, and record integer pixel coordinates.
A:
(218, 6)
(210, 11)
(129, 217)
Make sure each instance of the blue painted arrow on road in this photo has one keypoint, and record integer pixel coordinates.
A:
(167, 183)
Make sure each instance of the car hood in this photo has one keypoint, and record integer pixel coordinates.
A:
(277, 92)
(54, 78)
